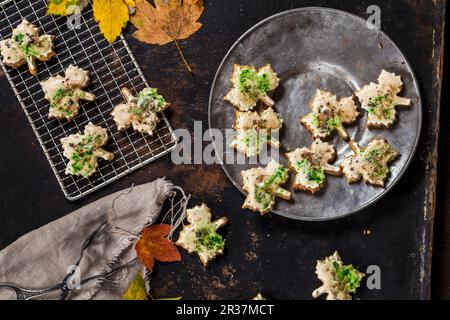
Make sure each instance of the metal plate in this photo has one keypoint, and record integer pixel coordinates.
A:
(333, 50)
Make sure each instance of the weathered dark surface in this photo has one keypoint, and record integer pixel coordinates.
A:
(270, 254)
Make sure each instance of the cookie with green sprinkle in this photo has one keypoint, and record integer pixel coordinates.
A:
(255, 130)
(328, 114)
(139, 112)
(26, 46)
(251, 85)
(339, 280)
(65, 93)
(312, 164)
(263, 186)
(84, 150)
(381, 99)
(369, 163)
(200, 235)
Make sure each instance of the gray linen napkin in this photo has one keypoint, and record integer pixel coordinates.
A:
(41, 258)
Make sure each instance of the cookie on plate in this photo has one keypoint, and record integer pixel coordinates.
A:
(251, 85)
(255, 130)
(311, 165)
(370, 163)
(328, 114)
(263, 185)
(381, 99)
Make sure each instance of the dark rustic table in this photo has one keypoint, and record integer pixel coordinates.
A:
(270, 254)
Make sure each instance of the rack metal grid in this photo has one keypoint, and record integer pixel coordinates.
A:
(111, 68)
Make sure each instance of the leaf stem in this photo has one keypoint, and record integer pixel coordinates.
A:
(182, 55)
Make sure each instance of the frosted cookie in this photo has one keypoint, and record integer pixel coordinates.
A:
(262, 186)
(83, 150)
(381, 99)
(139, 112)
(200, 235)
(255, 130)
(329, 114)
(251, 85)
(65, 93)
(311, 164)
(370, 163)
(25, 46)
(339, 280)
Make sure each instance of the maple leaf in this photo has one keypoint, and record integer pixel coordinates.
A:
(137, 289)
(153, 244)
(66, 7)
(112, 16)
(167, 21)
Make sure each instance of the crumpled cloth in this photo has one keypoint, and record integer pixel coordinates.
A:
(43, 257)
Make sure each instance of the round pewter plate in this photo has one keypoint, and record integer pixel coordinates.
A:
(320, 48)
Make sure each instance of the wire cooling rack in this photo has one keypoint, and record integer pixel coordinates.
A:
(111, 68)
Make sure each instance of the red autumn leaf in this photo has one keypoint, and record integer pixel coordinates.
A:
(153, 245)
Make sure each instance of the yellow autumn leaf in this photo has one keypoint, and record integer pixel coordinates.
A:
(136, 290)
(65, 7)
(57, 8)
(112, 16)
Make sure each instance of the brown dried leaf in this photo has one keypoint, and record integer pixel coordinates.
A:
(167, 21)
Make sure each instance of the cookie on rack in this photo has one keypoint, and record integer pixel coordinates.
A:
(255, 130)
(263, 186)
(381, 99)
(251, 85)
(370, 163)
(26, 46)
(84, 150)
(65, 93)
(329, 114)
(312, 164)
(139, 112)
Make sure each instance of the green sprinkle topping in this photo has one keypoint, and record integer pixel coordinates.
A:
(208, 239)
(314, 174)
(252, 83)
(148, 101)
(348, 276)
(381, 107)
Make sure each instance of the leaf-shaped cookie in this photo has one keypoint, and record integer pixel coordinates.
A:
(329, 114)
(380, 100)
(371, 163)
(112, 16)
(26, 46)
(251, 85)
(338, 280)
(65, 93)
(254, 130)
(311, 164)
(83, 150)
(140, 112)
(262, 186)
(200, 235)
